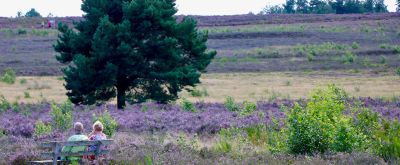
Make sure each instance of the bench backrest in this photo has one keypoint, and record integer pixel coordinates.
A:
(56, 148)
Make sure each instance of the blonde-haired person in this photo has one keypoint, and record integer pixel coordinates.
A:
(96, 134)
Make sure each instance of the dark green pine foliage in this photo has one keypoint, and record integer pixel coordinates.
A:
(134, 50)
(289, 6)
(302, 6)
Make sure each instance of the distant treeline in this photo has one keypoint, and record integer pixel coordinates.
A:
(328, 6)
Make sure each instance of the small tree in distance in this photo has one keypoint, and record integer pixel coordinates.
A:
(132, 49)
(32, 13)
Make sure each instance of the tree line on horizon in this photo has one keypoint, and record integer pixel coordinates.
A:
(329, 7)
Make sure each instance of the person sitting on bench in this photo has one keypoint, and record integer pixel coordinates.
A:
(79, 136)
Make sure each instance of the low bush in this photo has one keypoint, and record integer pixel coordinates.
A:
(248, 108)
(348, 57)
(42, 128)
(321, 124)
(387, 143)
(398, 71)
(198, 93)
(355, 45)
(230, 104)
(62, 116)
(8, 76)
(188, 106)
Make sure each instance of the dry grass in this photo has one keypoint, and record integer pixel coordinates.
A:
(241, 86)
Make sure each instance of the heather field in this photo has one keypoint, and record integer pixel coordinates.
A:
(270, 78)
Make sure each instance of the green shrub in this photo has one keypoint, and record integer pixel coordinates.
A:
(8, 76)
(248, 108)
(109, 123)
(198, 93)
(348, 57)
(4, 104)
(384, 46)
(188, 106)
(62, 116)
(398, 71)
(310, 57)
(42, 129)
(396, 49)
(22, 81)
(355, 45)
(21, 32)
(319, 125)
(345, 138)
(223, 146)
(387, 144)
(230, 104)
(257, 135)
(382, 60)
(27, 95)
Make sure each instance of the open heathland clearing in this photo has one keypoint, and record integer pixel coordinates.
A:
(215, 87)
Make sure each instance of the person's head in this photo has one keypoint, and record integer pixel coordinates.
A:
(78, 127)
(98, 126)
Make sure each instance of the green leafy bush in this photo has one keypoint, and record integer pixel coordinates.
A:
(248, 108)
(188, 106)
(4, 104)
(21, 31)
(321, 124)
(8, 76)
(22, 81)
(42, 129)
(109, 123)
(198, 93)
(62, 116)
(27, 95)
(230, 104)
(355, 45)
(348, 57)
(387, 143)
(398, 71)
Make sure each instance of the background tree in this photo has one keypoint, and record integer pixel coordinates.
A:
(32, 13)
(353, 6)
(19, 14)
(369, 6)
(398, 5)
(380, 6)
(132, 49)
(276, 9)
(289, 6)
(320, 7)
(302, 6)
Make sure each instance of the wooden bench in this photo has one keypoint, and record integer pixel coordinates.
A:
(56, 150)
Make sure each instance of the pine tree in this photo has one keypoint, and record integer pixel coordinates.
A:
(380, 6)
(32, 13)
(289, 6)
(369, 6)
(302, 6)
(398, 5)
(134, 50)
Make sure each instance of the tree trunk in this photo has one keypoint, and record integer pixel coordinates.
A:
(121, 97)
